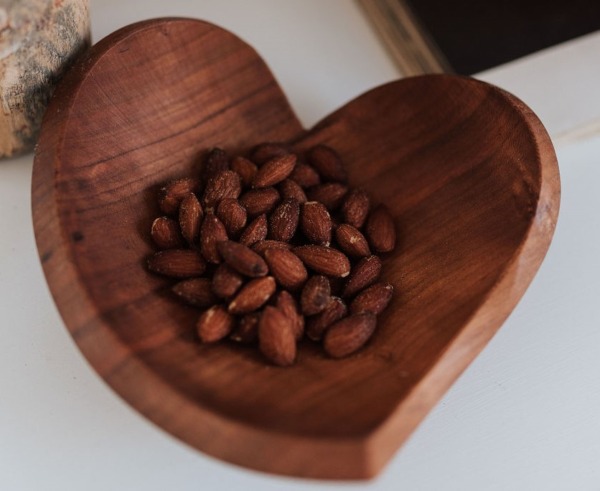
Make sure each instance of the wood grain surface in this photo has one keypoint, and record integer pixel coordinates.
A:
(467, 170)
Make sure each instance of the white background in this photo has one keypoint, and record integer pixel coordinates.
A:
(524, 416)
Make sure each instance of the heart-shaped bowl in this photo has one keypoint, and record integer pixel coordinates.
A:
(467, 170)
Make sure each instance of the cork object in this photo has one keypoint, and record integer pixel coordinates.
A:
(39, 39)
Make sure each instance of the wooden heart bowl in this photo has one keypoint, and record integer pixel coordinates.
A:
(467, 170)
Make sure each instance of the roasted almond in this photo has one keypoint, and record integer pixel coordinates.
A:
(171, 195)
(351, 241)
(253, 295)
(315, 223)
(177, 263)
(245, 169)
(276, 337)
(289, 307)
(255, 231)
(225, 184)
(286, 267)
(242, 259)
(214, 324)
(165, 233)
(283, 222)
(274, 171)
(355, 208)
(246, 331)
(233, 216)
(226, 282)
(215, 162)
(363, 274)
(212, 231)
(328, 163)
(196, 292)
(305, 176)
(373, 299)
(190, 218)
(318, 324)
(264, 152)
(324, 260)
(331, 194)
(350, 334)
(262, 245)
(315, 296)
(259, 201)
(380, 230)
(291, 189)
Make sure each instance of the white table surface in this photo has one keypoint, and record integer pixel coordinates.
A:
(524, 416)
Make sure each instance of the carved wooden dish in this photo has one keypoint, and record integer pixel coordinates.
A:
(468, 171)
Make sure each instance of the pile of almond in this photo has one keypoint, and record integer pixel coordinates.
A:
(273, 248)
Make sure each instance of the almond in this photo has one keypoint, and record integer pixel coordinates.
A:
(215, 162)
(262, 245)
(289, 307)
(259, 201)
(380, 230)
(291, 189)
(315, 296)
(214, 324)
(327, 163)
(318, 324)
(349, 334)
(324, 260)
(225, 184)
(255, 231)
(267, 151)
(330, 194)
(190, 218)
(246, 331)
(177, 263)
(165, 233)
(276, 337)
(233, 216)
(283, 222)
(351, 241)
(226, 282)
(274, 171)
(242, 259)
(196, 292)
(245, 169)
(171, 195)
(355, 208)
(315, 223)
(305, 176)
(253, 295)
(366, 271)
(373, 299)
(287, 268)
(212, 231)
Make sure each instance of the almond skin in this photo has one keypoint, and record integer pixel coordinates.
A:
(212, 231)
(315, 223)
(274, 171)
(165, 233)
(233, 216)
(287, 268)
(214, 324)
(259, 201)
(177, 263)
(331, 194)
(318, 324)
(305, 176)
(190, 218)
(324, 260)
(171, 195)
(255, 231)
(225, 184)
(196, 292)
(246, 331)
(264, 152)
(289, 307)
(364, 273)
(348, 335)
(216, 161)
(315, 296)
(226, 282)
(283, 222)
(351, 241)
(291, 189)
(253, 295)
(380, 230)
(262, 245)
(373, 299)
(328, 163)
(245, 169)
(355, 208)
(276, 337)
(242, 259)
